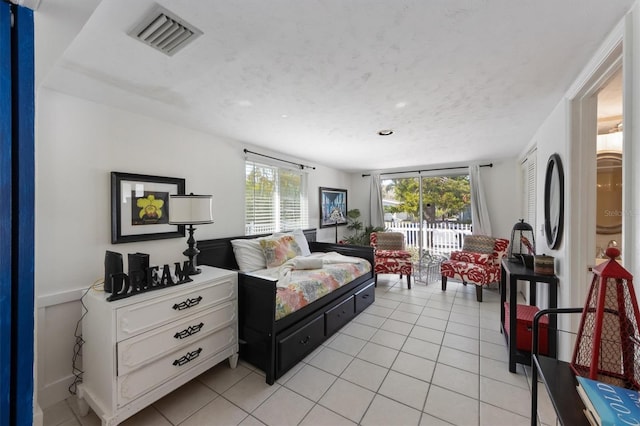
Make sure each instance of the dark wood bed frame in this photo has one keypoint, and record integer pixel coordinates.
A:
(276, 346)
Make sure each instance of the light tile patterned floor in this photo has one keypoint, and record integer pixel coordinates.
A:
(415, 357)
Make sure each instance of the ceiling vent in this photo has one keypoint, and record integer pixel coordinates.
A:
(165, 32)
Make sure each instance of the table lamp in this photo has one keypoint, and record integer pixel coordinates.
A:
(191, 210)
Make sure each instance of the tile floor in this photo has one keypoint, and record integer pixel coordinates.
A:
(414, 357)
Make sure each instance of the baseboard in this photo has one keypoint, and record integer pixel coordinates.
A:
(55, 392)
(38, 416)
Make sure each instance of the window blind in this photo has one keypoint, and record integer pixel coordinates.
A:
(529, 189)
(275, 198)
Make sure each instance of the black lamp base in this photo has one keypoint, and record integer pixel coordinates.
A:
(192, 269)
(192, 252)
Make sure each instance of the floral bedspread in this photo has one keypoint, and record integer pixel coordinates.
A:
(298, 288)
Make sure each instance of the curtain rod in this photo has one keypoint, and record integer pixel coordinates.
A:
(428, 170)
(302, 166)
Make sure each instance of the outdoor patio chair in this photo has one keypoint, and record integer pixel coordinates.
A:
(390, 255)
(478, 262)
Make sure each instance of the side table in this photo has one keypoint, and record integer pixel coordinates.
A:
(427, 268)
(511, 272)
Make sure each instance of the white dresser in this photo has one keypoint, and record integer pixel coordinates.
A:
(138, 349)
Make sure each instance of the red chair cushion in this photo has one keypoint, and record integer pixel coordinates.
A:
(469, 272)
(390, 265)
(398, 254)
(473, 257)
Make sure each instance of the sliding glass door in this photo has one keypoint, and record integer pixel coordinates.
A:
(434, 212)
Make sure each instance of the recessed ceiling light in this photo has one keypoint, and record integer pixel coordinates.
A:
(401, 105)
(245, 103)
(284, 116)
(385, 132)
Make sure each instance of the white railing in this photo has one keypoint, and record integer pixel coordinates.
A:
(437, 238)
(251, 229)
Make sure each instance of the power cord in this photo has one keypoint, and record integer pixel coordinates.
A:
(97, 285)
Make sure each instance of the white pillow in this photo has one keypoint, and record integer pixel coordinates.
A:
(248, 253)
(298, 235)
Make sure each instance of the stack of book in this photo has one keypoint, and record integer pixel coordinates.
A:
(608, 405)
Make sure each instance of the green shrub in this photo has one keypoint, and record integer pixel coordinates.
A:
(361, 233)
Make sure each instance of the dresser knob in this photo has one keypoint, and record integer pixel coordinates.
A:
(305, 340)
(189, 331)
(189, 303)
(187, 358)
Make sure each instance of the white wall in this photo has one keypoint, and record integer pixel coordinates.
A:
(78, 144)
(502, 189)
(554, 136)
(551, 138)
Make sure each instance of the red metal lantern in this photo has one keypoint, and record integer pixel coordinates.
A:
(607, 348)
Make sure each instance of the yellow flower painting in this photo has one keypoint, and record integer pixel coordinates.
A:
(149, 209)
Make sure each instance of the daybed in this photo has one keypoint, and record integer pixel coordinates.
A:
(275, 345)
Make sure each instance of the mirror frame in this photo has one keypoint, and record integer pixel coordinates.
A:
(554, 187)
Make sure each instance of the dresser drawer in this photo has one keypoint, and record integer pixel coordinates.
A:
(339, 315)
(139, 350)
(365, 297)
(153, 374)
(293, 347)
(150, 314)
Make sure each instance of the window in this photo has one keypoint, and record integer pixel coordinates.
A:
(275, 198)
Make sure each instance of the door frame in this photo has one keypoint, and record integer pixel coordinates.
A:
(612, 55)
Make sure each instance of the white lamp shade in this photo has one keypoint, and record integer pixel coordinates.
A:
(190, 209)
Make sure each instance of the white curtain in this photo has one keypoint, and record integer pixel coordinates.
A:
(375, 197)
(479, 211)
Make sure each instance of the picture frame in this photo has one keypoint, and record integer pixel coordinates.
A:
(333, 207)
(140, 207)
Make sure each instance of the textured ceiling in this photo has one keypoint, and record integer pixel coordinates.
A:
(456, 80)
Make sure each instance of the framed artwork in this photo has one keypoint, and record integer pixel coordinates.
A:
(333, 207)
(140, 207)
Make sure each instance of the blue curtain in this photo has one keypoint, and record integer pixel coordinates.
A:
(5, 213)
(16, 215)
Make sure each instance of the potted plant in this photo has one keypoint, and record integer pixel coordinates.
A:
(361, 233)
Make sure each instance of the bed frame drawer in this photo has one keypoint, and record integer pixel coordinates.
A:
(365, 297)
(339, 315)
(294, 347)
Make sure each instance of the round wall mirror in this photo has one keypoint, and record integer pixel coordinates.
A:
(554, 201)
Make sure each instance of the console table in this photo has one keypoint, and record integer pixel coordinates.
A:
(558, 379)
(511, 272)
